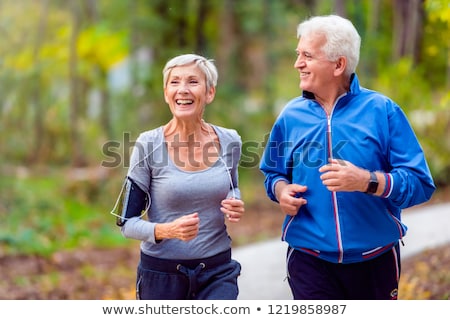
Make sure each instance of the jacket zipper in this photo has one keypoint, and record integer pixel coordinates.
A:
(333, 194)
(399, 226)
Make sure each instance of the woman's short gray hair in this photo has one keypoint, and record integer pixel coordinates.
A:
(206, 65)
(342, 38)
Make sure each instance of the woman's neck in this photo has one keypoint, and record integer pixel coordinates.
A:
(188, 131)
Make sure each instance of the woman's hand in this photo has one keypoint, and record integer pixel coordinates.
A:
(184, 228)
(233, 209)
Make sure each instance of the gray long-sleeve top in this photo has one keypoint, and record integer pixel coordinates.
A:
(174, 192)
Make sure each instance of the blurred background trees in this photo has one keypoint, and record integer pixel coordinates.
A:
(80, 79)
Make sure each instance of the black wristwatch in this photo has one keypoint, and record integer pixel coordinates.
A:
(373, 184)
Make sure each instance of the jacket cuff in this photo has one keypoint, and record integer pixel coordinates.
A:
(388, 186)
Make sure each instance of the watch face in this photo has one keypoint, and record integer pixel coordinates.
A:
(373, 186)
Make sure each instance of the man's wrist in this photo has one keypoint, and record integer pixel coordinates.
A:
(279, 184)
(372, 185)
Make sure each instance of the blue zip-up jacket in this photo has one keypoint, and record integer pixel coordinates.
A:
(372, 132)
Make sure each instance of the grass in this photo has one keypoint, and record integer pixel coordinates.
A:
(52, 210)
(46, 214)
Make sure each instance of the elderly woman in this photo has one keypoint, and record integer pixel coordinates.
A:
(184, 177)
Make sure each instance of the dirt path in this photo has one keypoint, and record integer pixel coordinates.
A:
(109, 274)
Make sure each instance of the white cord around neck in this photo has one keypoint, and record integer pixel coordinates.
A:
(147, 207)
(223, 161)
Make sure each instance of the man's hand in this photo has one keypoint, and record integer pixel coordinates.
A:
(290, 197)
(341, 175)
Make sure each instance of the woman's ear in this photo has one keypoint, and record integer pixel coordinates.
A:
(165, 96)
(210, 95)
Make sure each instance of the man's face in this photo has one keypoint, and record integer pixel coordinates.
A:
(316, 71)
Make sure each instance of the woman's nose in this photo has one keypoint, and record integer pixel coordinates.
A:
(183, 89)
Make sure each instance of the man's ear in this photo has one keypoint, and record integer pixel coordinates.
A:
(341, 64)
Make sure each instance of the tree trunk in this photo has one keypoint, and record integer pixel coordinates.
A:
(408, 25)
(75, 137)
(36, 101)
(200, 38)
(339, 7)
(227, 41)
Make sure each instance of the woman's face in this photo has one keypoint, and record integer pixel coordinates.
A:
(186, 92)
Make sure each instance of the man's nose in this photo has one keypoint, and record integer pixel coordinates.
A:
(299, 62)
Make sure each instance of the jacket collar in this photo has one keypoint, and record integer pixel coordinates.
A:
(354, 88)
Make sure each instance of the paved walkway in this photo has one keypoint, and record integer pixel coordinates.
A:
(263, 264)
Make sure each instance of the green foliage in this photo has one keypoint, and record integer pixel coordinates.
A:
(389, 82)
(436, 46)
(50, 111)
(433, 126)
(46, 214)
(102, 46)
(427, 109)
